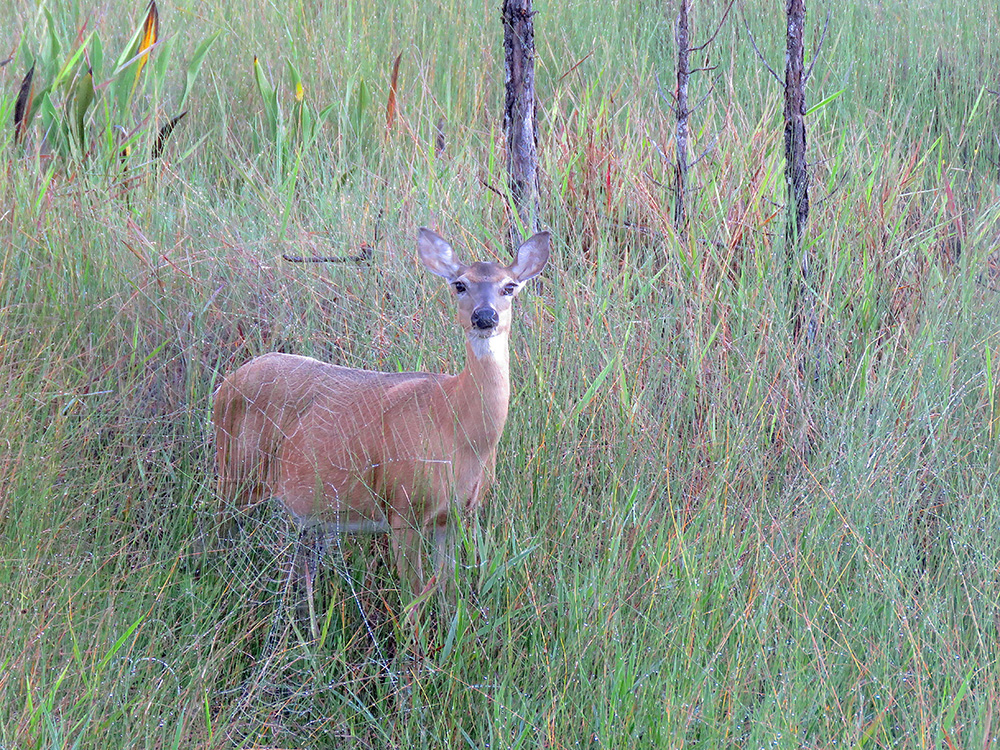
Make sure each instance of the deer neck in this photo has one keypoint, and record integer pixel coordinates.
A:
(482, 391)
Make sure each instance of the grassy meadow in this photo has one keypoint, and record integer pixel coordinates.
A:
(700, 535)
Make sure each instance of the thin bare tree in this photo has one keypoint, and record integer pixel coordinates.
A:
(519, 117)
(683, 74)
(798, 258)
(683, 110)
(797, 174)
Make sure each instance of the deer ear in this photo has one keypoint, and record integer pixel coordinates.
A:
(436, 254)
(531, 257)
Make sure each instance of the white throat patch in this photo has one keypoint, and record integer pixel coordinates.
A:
(494, 347)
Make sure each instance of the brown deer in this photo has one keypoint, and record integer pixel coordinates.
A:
(358, 451)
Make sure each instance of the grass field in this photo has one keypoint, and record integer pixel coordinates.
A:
(688, 543)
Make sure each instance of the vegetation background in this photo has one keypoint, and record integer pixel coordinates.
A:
(688, 543)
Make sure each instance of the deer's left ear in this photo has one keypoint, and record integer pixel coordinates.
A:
(436, 255)
(531, 257)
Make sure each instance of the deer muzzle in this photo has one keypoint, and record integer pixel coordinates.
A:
(485, 318)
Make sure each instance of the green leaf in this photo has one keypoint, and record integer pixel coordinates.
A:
(162, 60)
(591, 392)
(128, 55)
(69, 67)
(83, 98)
(96, 58)
(499, 569)
(297, 88)
(53, 125)
(306, 123)
(53, 48)
(118, 644)
(122, 89)
(270, 97)
(819, 105)
(361, 101)
(195, 65)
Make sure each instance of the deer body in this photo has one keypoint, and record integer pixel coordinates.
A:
(359, 451)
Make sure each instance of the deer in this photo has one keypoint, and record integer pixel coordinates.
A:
(357, 451)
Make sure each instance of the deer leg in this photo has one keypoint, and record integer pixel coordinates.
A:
(306, 557)
(444, 553)
(406, 549)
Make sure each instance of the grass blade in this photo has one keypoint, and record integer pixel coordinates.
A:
(391, 106)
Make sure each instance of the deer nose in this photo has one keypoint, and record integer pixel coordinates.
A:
(485, 318)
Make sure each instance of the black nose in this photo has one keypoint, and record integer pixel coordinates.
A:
(485, 318)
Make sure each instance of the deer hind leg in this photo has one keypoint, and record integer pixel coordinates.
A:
(444, 553)
(305, 561)
(407, 543)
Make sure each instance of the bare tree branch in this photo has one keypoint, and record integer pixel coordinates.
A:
(819, 47)
(703, 99)
(709, 149)
(653, 179)
(659, 90)
(753, 43)
(836, 189)
(717, 30)
(362, 257)
(489, 186)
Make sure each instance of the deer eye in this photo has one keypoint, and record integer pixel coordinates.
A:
(508, 289)
(459, 287)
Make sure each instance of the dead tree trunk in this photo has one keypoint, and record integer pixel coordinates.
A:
(797, 176)
(519, 116)
(683, 74)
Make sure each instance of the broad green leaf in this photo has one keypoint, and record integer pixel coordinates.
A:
(195, 65)
(53, 125)
(123, 88)
(307, 123)
(360, 104)
(128, 55)
(297, 88)
(50, 52)
(324, 113)
(96, 58)
(68, 69)
(270, 97)
(83, 98)
(163, 53)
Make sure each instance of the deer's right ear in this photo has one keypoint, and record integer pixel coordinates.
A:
(436, 254)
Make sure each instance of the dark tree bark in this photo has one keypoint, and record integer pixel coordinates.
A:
(519, 115)
(683, 75)
(797, 173)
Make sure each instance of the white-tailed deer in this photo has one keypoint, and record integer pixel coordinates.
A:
(368, 452)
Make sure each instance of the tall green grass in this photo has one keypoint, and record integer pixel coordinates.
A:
(688, 542)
